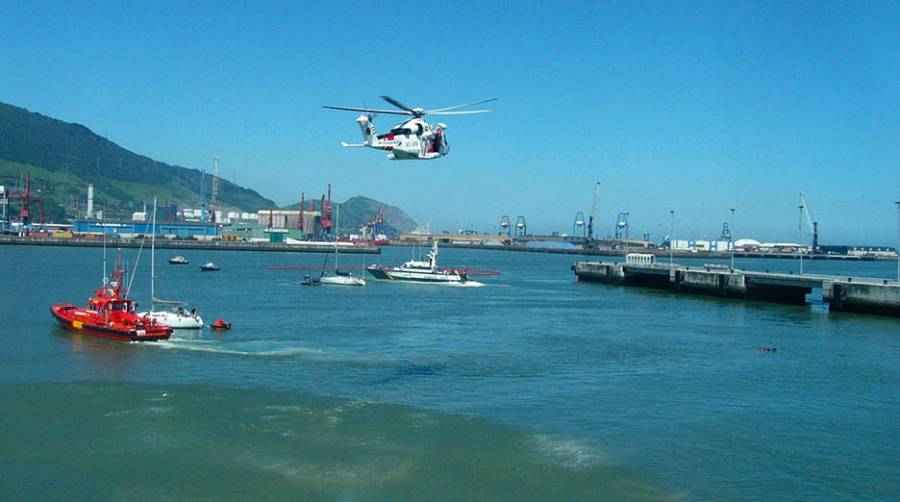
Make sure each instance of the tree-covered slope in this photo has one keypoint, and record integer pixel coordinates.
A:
(64, 157)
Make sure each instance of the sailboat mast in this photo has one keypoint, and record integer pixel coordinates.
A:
(105, 278)
(337, 231)
(153, 257)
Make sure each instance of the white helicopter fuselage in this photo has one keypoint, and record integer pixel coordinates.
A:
(414, 139)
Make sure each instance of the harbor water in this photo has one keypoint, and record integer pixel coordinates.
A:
(534, 387)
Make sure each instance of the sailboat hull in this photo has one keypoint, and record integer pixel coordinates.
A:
(175, 320)
(343, 280)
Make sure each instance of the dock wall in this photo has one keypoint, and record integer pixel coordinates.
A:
(854, 296)
(850, 294)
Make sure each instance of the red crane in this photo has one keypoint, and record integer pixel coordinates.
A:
(26, 198)
(326, 213)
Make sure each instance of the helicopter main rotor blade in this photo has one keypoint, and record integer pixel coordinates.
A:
(447, 109)
(398, 104)
(366, 110)
(464, 112)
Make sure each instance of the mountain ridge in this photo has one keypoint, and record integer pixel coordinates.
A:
(64, 157)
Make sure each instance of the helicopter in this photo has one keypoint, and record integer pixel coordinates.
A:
(412, 139)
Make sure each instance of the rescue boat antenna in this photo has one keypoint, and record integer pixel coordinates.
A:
(153, 257)
(105, 278)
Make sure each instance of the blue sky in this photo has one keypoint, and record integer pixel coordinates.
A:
(692, 106)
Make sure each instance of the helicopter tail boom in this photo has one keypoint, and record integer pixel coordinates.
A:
(367, 128)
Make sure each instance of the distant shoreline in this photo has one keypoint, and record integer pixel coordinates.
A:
(188, 244)
(223, 245)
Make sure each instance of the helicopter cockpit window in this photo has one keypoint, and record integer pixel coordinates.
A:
(419, 129)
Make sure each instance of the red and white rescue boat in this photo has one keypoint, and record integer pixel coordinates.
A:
(110, 314)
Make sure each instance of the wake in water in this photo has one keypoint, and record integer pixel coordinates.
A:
(273, 349)
(236, 348)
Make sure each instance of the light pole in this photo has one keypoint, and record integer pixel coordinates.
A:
(731, 233)
(897, 249)
(672, 237)
(800, 235)
(626, 233)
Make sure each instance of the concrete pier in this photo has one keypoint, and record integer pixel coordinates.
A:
(874, 296)
(852, 295)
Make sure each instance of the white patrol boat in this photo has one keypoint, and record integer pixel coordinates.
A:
(426, 271)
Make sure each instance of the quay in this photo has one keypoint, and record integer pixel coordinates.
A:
(851, 294)
(218, 245)
(447, 242)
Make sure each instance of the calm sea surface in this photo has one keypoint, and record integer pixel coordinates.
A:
(532, 387)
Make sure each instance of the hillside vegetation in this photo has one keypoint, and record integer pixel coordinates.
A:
(64, 157)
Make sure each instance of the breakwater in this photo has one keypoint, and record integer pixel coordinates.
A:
(853, 294)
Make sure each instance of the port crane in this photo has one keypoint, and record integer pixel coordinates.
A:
(595, 212)
(622, 226)
(578, 224)
(26, 198)
(371, 229)
(214, 189)
(412, 139)
(813, 226)
(504, 225)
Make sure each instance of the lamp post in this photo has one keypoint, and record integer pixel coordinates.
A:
(626, 233)
(672, 237)
(731, 233)
(800, 235)
(897, 249)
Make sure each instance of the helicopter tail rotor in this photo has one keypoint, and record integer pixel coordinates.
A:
(367, 128)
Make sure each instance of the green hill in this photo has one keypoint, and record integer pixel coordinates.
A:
(64, 157)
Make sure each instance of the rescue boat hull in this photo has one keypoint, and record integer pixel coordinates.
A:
(78, 320)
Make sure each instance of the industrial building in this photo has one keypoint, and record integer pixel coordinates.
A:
(700, 245)
(129, 228)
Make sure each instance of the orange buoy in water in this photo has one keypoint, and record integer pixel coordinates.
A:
(220, 325)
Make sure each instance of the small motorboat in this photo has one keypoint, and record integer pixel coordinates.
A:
(209, 267)
(310, 281)
(178, 260)
(220, 325)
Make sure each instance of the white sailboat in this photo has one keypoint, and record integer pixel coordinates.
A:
(177, 315)
(340, 278)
